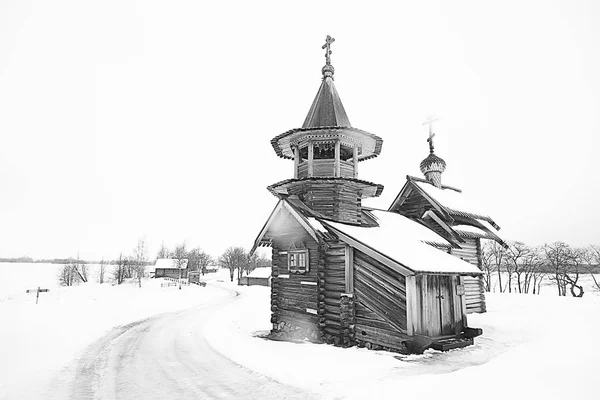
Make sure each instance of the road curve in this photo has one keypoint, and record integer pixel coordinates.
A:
(167, 357)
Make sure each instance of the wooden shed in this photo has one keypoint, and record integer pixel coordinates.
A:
(171, 268)
(345, 273)
(259, 277)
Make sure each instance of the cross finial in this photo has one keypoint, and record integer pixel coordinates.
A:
(327, 46)
(429, 121)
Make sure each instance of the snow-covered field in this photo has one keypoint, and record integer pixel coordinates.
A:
(536, 347)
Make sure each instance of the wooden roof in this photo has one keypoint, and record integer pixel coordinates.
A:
(327, 108)
(448, 207)
(327, 119)
(369, 189)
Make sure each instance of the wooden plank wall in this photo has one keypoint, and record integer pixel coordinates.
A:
(334, 199)
(294, 296)
(474, 289)
(334, 286)
(380, 303)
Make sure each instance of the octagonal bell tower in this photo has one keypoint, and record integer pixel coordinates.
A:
(326, 151)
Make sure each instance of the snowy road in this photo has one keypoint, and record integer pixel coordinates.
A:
(167, 357)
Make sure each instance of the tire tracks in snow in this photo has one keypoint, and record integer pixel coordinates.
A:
(167, 357)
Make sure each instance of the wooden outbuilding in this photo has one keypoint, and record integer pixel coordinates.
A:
(345, 273)
(259, 277)
(171, 268)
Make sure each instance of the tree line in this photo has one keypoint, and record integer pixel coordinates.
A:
(237, 258)
(522, 268)
(129, 266)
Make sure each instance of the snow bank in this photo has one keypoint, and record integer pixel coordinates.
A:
(537, 347)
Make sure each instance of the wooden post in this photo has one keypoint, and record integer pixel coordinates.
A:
(349, 272)
(296, 161)
(336, 165)
(412, 310)
(355, 160)
(310, 158)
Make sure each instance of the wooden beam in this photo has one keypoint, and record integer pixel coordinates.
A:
(336, 165)
(296, 161)
(411, 306)
(349, 264)
(310, 158)
(355, 160)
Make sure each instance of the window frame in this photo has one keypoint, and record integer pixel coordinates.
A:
(294, 255)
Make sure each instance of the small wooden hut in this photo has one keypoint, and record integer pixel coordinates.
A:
(171, 268)
(345, 273)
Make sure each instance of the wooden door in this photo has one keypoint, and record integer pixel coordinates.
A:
(440, 310)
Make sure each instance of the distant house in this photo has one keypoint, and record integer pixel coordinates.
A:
(260, 276)
(171, 268)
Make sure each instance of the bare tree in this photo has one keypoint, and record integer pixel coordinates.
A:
(487, 266)
(514, 259)
(120, 269)
(140, 259)
(102, 271)
(68, 274)
(181, 255)
(533, 271)
(198, 260)
(83, 267)
(591, 257)
(163, 252)
(565, 264)
(494, 253)
(234, 258)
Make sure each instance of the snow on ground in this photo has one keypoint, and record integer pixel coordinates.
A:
(39, 341)
(537, 347)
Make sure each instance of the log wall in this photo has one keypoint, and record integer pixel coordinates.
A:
(335, 199)
(332, 286)
(294, 296)
(380, 304)
(474, 288)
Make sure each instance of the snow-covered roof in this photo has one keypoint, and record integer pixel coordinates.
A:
(402, 240)
(262, 272)
(171, 263)
(470, 229)
(452, 199)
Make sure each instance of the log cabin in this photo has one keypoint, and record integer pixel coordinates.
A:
(447, 211)
(348, 274)
(171, 268)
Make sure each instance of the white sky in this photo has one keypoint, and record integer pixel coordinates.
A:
(121, 118)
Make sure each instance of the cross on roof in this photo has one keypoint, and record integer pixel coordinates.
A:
(429, 121)
(327, 45)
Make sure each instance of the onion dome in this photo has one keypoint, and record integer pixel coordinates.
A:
(432, 166)
(432, 163)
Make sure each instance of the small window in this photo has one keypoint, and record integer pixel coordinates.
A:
(298, 258)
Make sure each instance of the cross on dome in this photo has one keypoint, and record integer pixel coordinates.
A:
(327, 46)
(429, 121)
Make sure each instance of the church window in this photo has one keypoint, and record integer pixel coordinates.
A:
(298, 261)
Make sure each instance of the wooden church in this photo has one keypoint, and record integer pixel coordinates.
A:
(348, 274)
(448, 212)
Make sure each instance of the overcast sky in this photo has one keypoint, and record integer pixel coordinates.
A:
(122, 119)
